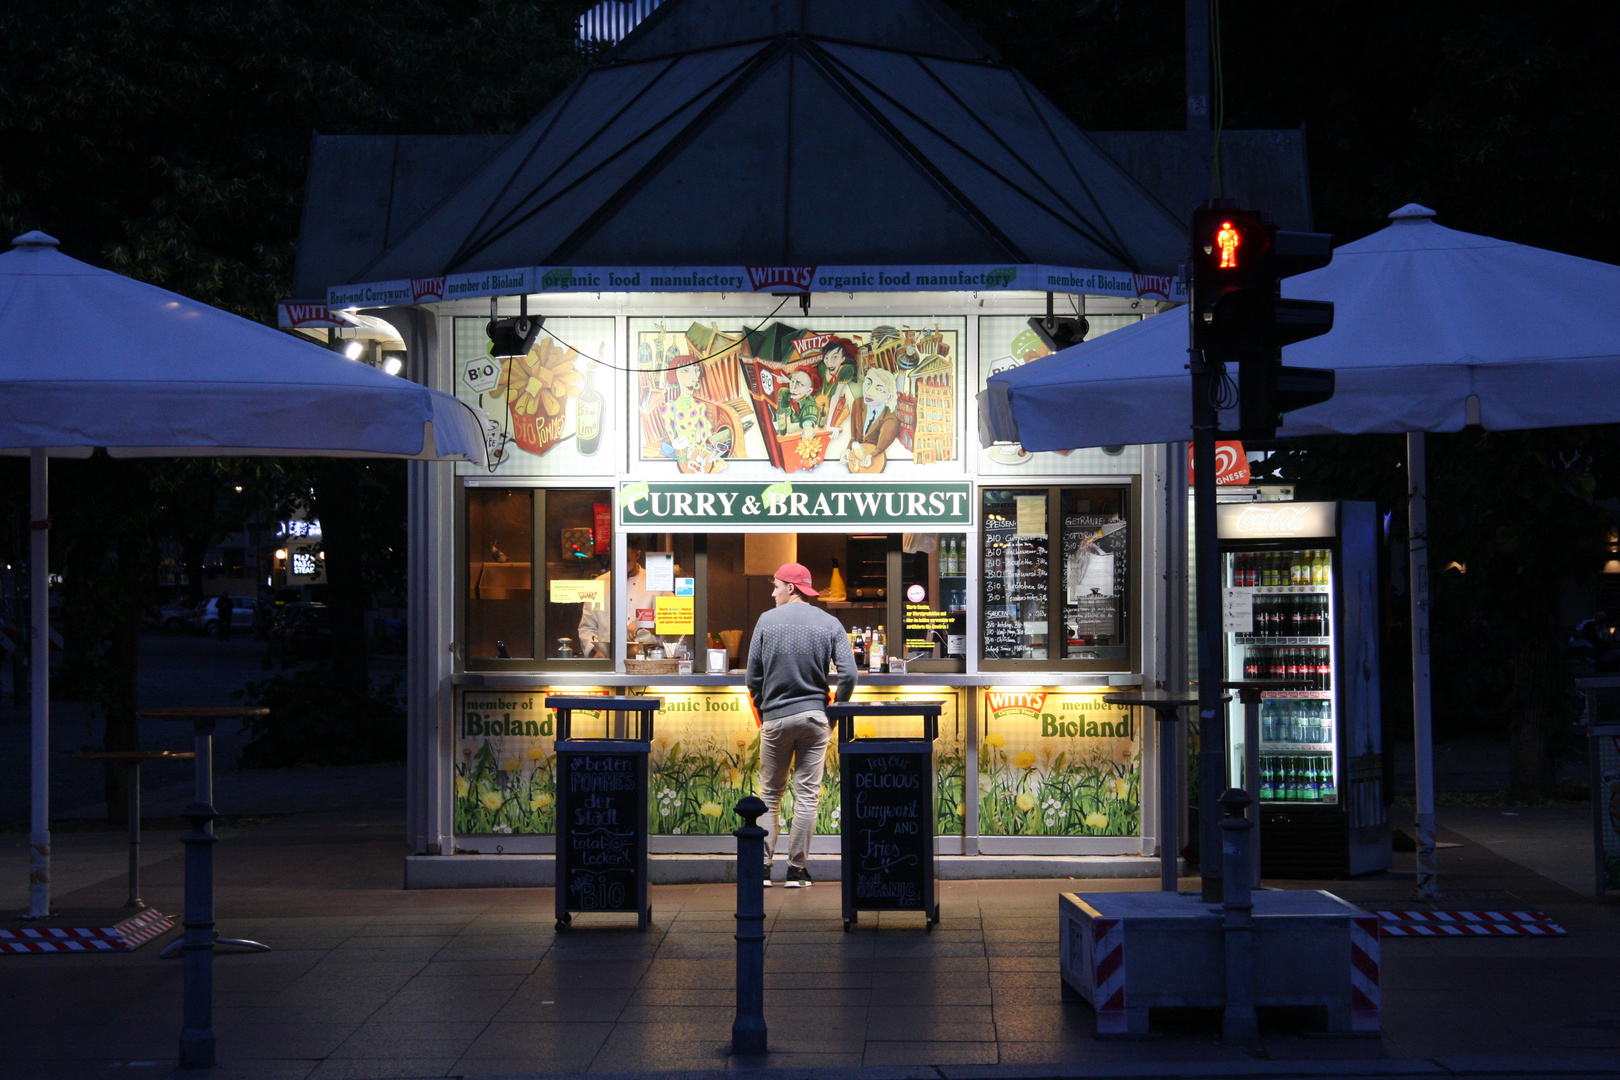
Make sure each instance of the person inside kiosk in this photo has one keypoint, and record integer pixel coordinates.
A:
(596, 624)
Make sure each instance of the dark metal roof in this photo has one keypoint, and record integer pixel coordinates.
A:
(859, 133)
(363, 192)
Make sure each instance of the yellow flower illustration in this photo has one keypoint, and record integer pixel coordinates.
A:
(492, 800)
(710, 809)
(1026, 802)
(734, 778)
(996, 739)
(1096, 821)
(511, 764)
(1025, 759)
(462, 787)
(1120, 786)
(539, 802)
(865, 729)
(536, 752)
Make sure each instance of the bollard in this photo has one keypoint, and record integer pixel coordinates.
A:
(1239, 1025)
(748, 1029)
(197, 1026)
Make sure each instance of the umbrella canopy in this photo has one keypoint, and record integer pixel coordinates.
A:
(90, 358)
(1433, 329)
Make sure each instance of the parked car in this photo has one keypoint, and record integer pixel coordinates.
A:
(242, 608)
(302, 630)
(173, 617)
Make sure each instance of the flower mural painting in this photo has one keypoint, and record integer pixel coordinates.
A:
(1055, 763)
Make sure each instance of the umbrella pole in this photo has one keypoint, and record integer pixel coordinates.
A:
(1417, 531)
(39, 618)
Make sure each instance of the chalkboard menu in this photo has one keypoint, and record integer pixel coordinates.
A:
(601, 827)
(1016, 584)
(888, 826)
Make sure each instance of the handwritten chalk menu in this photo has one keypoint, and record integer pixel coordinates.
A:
(601, 826)
(888, 825)
(1003, 634)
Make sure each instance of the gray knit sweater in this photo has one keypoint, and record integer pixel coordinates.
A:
(788, 658)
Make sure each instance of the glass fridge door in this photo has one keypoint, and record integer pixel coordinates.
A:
(1279, 623)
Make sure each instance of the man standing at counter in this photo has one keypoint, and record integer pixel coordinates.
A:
(792, 647)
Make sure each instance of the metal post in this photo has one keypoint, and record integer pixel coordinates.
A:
(1211, 745)
(197, 1028)
(39, 677)
(1239, 1025)
(1417, 531)
(748, 1029)
(1251, 771)
(134, 779)
(1167, 799)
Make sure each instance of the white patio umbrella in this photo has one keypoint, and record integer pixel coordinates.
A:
(90, 358)
(1433, 330)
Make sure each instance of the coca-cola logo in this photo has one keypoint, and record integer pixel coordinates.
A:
(781, 277)
(1271, 519)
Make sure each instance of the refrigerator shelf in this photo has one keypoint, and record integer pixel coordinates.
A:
(1269, 746)
(1278, 590)
(1260, 640)
(1296, 695)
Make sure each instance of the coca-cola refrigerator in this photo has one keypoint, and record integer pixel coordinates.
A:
(1300, 602)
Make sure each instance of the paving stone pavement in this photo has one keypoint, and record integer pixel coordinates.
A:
(367, 980)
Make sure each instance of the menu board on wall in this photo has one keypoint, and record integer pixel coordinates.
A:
(1016, 583)
(602, 841)
(836, 396)
(551, 410)
(888, 835)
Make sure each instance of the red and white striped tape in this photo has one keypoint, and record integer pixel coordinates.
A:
(1366, 1000)
(1468, 924)
(1108, 975)
(129, 934)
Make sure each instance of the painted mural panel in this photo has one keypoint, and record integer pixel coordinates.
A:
(1006, 342)
(1058, 763)
(815, 398)
(705, 757)
(551, 412)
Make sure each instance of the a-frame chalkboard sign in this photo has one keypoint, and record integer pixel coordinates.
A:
(602, 807)
(887, 811)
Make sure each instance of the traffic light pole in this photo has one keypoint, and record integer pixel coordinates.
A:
(1206, 563)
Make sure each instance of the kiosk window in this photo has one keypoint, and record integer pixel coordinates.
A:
(1058, 575)
(537, 562)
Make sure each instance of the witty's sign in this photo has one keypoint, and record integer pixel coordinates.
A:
(887, 278)
(920, 507)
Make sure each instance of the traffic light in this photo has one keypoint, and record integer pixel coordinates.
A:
(1239, 316)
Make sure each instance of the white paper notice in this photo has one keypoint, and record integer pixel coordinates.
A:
(660, 571)
(1237, 611)
(1031, 515)
(1097, 576)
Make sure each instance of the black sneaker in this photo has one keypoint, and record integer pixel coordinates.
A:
(767, 875)
(797, 878)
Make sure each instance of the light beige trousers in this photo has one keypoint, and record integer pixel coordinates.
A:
(797, 743)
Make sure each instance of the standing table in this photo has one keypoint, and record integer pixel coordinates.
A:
(202, 719)
(602, 807)
(887, 812)
(1166, 708)
(133, 760)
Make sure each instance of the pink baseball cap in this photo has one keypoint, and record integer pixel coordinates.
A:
(796, 575)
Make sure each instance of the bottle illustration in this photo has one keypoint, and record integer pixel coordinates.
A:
(588, 414)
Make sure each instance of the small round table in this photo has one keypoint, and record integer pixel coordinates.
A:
(1168, 708)
(133, 760)
(202, 719)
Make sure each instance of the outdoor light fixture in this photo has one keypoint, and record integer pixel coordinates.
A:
(281, 554)
(392, 364)
(510, 337)
(353, 350)
(1059, 333)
